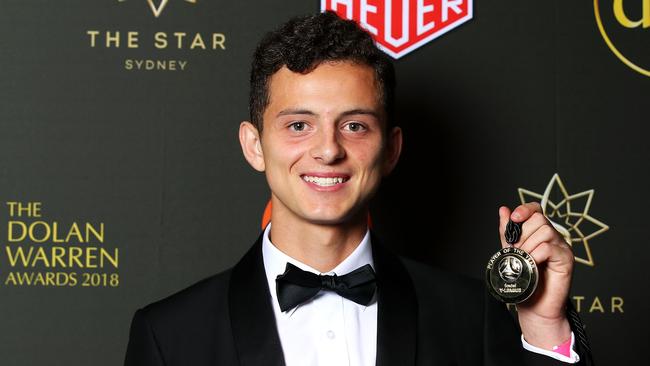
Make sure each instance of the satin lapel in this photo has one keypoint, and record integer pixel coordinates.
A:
(251, 313)
(397, 312)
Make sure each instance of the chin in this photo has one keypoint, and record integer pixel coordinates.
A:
(325, 219)
(333, 218)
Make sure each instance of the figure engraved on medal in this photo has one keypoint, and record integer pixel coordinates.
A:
(511, 273)
(510, 269)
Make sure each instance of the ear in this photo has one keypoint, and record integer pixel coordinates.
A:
(251, 145)
(393, 150)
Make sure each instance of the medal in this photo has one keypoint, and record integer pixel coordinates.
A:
(511, 273)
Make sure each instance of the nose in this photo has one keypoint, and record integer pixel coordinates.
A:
(327, 147)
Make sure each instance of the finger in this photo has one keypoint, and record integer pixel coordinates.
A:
(525, 211)
(504, 216)
(554, 256)
(543, 234)
(530, 226)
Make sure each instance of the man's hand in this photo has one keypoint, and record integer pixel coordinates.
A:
(542, 317)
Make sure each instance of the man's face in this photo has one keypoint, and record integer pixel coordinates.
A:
(323, 144)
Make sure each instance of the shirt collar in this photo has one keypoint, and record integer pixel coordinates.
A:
(275, 261)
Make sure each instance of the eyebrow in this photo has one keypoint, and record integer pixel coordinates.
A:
(286, 112)
(351, 112)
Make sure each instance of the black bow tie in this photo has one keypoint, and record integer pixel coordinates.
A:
(296, 286)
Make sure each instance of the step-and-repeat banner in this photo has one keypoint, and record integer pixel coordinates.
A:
(122, 180)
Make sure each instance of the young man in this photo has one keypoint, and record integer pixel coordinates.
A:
(317, 288)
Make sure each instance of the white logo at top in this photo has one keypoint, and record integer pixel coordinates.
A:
(157, 10)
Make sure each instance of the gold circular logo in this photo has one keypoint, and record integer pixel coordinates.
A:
(622, 18)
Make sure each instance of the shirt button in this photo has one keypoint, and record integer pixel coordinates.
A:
(330, 334)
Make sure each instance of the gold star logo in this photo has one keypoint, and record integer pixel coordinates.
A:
(157, 10)
(569, 214)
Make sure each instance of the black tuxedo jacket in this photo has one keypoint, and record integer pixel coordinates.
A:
(425, 317)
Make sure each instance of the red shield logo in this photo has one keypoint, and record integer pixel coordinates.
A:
(401, 26)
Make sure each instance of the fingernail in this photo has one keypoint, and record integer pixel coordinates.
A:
(516, 216)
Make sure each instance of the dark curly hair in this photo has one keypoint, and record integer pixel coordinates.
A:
(303, 43)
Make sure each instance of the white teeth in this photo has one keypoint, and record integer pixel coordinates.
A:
(325, 182)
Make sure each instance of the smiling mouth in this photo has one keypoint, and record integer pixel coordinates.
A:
(325, 181)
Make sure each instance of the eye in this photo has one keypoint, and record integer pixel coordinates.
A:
(355, 127)
(297, 126)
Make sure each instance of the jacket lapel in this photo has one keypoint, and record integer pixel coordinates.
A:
(253, 321)
(251, 313)
(397, 312)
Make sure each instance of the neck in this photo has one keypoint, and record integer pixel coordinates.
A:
(320, 246)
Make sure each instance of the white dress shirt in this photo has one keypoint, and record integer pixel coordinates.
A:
(329, 329)
(332, 330)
